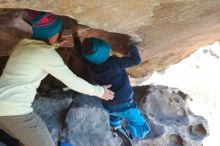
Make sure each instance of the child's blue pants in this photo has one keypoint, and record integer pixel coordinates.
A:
(137, 125)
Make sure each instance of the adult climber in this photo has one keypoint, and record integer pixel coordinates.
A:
(30, 62)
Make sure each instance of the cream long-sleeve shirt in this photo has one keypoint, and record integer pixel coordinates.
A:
(30, 62)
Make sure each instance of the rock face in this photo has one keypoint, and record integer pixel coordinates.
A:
(86, 122)
(169, 30)
(197, 76)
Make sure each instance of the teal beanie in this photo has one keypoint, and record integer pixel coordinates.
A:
(44, 25)
(100, 51)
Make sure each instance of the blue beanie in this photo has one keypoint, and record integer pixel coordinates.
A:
(100, 51)
(44, 25)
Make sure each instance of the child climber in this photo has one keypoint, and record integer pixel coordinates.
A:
(107, 69)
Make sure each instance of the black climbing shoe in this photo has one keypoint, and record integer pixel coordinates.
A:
(121, 132)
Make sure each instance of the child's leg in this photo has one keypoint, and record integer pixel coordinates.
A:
(117, 129)
(115, 121)
(137, 125)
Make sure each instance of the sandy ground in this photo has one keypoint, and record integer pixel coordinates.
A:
(198, 76)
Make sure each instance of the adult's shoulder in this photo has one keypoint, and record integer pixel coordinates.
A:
(31, 48)
(33, 42)
(31, 45)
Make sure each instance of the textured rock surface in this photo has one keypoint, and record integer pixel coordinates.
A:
(12, 29)
(169, 30)
(197, 76)
(172, 123)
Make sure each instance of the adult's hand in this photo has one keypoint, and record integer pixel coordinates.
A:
(108, 94)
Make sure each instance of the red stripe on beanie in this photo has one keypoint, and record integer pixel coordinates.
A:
(47, 20)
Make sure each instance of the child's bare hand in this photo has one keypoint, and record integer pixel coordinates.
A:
(62, 43)
(65, 39)
(108, 94)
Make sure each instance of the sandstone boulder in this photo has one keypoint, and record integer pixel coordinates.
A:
(168, 30)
